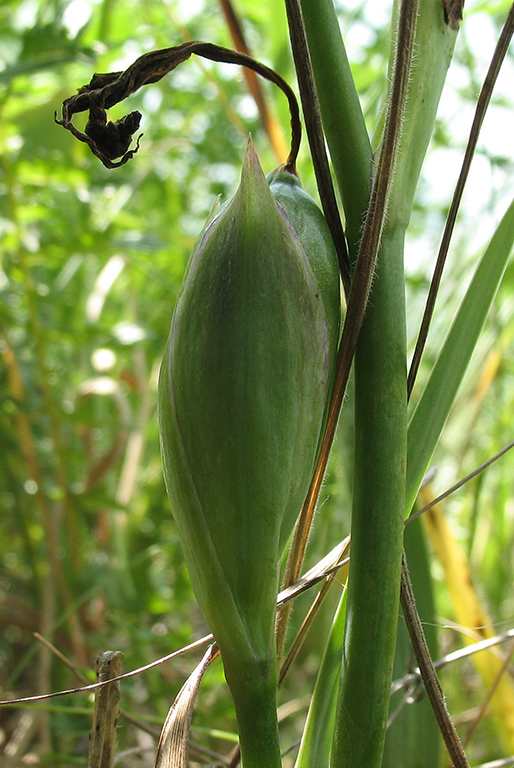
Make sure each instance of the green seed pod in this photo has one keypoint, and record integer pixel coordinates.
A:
(242, 396)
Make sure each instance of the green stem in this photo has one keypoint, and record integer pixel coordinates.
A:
(343, 121)
(377, 523)
(254, 692)
(380, 452)
(312, 117)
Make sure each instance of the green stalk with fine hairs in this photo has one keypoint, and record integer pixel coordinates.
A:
(343, 120)
(377, 520)
(381, 407)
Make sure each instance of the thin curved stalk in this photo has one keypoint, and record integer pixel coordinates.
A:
(108, 141)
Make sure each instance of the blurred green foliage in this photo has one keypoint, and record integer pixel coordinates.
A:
(91, 265)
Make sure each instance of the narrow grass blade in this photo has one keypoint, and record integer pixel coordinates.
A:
(317, 733)
(482, 105)
(432, 410)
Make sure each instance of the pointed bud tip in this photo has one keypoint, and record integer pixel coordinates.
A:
(253, 188)
(251, 159)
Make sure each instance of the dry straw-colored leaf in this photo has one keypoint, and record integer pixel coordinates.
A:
(173, 743)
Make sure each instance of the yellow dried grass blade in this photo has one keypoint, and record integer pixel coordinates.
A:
(470, 613)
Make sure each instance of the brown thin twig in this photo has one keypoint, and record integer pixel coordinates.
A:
(418, 641)
(109, 140)
(460, 483)
(313, 125)
(195, 749)
(268, 120)
(300, 637)
(481, 108)
(310, 579)
(428, 673)
(450, 658)
(357, 302)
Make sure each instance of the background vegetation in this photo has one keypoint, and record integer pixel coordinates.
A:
(92, 262)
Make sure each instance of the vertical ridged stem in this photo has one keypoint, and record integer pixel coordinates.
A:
(312, 117)
(377, 522)
(254, 695)
(380, 453)
(343, 120)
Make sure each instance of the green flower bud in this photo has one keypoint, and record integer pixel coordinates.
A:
(312, 229)
(242, 396)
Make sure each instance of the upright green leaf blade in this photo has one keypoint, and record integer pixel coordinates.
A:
(317, 733)
(343, 120)
(432, 411)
